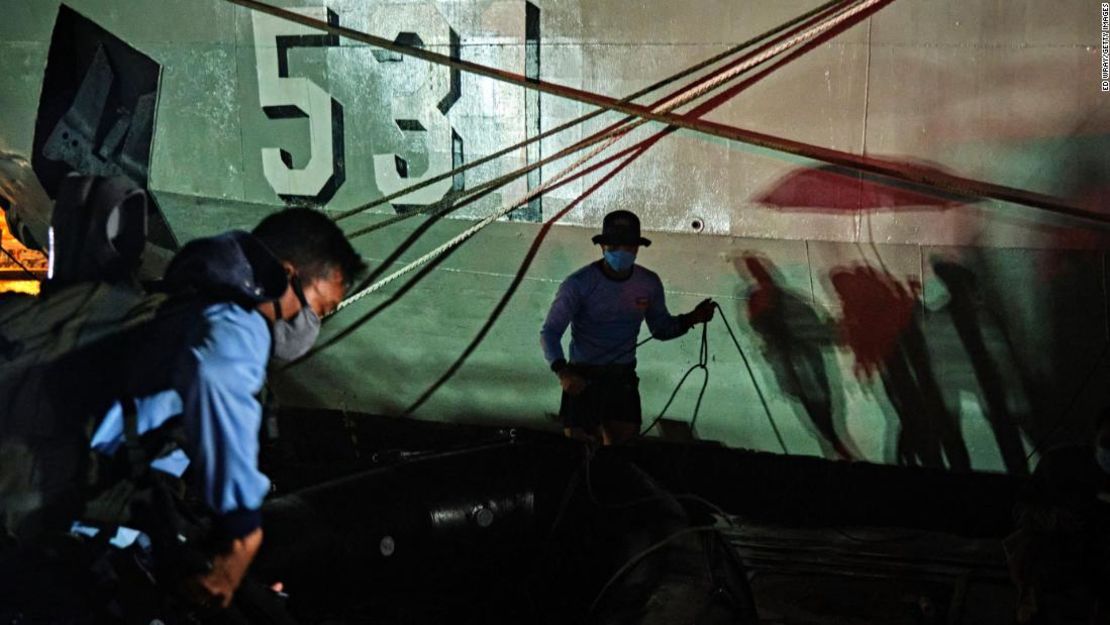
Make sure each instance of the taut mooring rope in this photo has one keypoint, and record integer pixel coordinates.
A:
(937, 181)
(689, 71)
(667, 106)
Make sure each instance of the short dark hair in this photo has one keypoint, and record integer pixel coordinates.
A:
(311, 242)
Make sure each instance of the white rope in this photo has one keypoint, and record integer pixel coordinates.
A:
(666, 107)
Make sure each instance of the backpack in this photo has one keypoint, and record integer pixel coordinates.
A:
(71, 353)
(63, 362)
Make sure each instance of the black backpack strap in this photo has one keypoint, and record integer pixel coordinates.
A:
(127, 476)
(117, 481)
(138, 463)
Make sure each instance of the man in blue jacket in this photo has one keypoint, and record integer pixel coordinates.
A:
(216, 358)
(171, 396)
(605, 303)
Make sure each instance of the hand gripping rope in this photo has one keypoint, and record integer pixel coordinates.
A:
(703, 365)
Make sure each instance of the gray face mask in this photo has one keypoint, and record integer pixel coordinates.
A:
(293, 338)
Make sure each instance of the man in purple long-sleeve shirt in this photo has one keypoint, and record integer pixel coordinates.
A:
(604, 303)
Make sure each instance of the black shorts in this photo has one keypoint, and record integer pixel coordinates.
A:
(612, 393)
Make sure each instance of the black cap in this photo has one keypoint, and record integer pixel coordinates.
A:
(235, 265)
(621, 228)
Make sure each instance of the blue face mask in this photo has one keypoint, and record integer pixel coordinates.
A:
(620, 261)
(1103, 456)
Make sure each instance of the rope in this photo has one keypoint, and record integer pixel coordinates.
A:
(936, 181)
(449, 204)
(461, 65)
(751, 374)
(634, 151)
(585, 118)
(703, 364)
(666, 106)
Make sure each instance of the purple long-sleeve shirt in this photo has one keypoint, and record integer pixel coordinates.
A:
(605, 314)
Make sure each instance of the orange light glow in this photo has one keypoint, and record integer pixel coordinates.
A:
(13, 275)
(30, 287)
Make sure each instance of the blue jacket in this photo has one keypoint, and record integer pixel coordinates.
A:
(213, 384)
(207, 363)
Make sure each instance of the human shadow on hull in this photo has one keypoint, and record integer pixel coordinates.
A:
(968, 316)
(795, 342)
(1039, 333)
(881, 324)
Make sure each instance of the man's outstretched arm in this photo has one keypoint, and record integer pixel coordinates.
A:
(663, 325)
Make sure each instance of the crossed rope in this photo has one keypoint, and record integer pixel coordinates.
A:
(669, 105)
